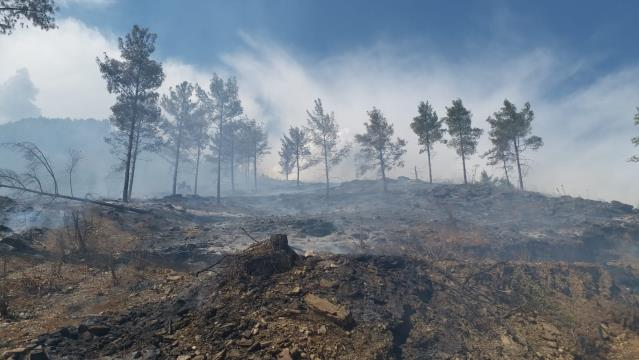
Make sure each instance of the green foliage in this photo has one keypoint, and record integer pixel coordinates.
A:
(377, 148)
(464, 137)
(22, 12)
(428, 127)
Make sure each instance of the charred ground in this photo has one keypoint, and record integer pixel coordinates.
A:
(440, 271)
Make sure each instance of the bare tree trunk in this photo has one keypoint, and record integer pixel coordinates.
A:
(232, 163)
(463, 155)
(219, 155)
(430, 171)
(96, 202)
(255, 170)
(127, 168)
(506, 171)
(383, 166)
(197, 161)
(71, 181)
(326, 168)
(136, 152)
(521, 179)
(297, 160)
(177, 159)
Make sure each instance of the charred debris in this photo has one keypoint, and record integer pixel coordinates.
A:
(438, 271)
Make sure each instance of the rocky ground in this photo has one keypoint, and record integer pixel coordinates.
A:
(425, 271)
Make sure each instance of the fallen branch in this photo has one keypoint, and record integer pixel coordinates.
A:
(95, 202)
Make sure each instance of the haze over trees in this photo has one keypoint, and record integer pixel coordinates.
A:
(511, 136)
(429, 131)
(134, 80)
(287, 156)
(300, 143)
(254, 144)
(635, 139)
(324, 133)
(378, 150)
(39, 13)
(463, 137)
(180, 130)
(221, 104)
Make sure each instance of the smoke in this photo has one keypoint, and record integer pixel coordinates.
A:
(584, 117)
(17, 97)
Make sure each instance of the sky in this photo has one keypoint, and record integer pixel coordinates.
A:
(576, 62)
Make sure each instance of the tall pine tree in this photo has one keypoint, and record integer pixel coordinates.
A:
(463, 137)
(429, 131)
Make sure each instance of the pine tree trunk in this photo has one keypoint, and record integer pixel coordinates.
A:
(219, 156)
(197, 161)
(430, 171)
(326, 168)
(383, 167)
(177, 160)
(506, 171)
(125, 190)
(521, 179)
(297, 160)
(255, 170)
(463, 155)
(232, 163)
(134, 161)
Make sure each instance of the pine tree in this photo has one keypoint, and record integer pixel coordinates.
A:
(135, 80)
(39, 13)
(179, 130)
(464, 137)
(300, 141)
(324, 133)
(500, 153)
(377, 148)
(255, 143)
(222, 104)
(287, 156)
(201, 137)
(514, 127)
(429, 131)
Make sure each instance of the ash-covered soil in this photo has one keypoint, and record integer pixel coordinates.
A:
(424, 271)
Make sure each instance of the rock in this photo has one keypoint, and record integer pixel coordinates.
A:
(174, 278)
(285, 354)
(220, 355)
(13, 353)
(337, 313)
(327, 284)
(626, 208)
(38, 355)
(99, 330)
(184, 357)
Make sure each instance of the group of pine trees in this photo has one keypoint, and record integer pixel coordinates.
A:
(509, 134)
(186, 123)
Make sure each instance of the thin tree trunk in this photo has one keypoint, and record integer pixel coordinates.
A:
(177, 157)
(219, 157)
(326, 168)
(463, 155)
(297, 160)
(521, 179)
(134, 161)
(430, 171)
(232, 163)
(125, 191)
(71, 181)
(96, 202)
(383, 166)
(197, 161)
(255, 170)
(506, 171)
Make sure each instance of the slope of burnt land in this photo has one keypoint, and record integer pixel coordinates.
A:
(269, 303)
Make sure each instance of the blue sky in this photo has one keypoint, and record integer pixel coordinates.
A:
(576, 62)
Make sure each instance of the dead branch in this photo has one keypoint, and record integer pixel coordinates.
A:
(90, 201)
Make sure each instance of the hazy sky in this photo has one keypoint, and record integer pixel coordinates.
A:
(575, 61)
